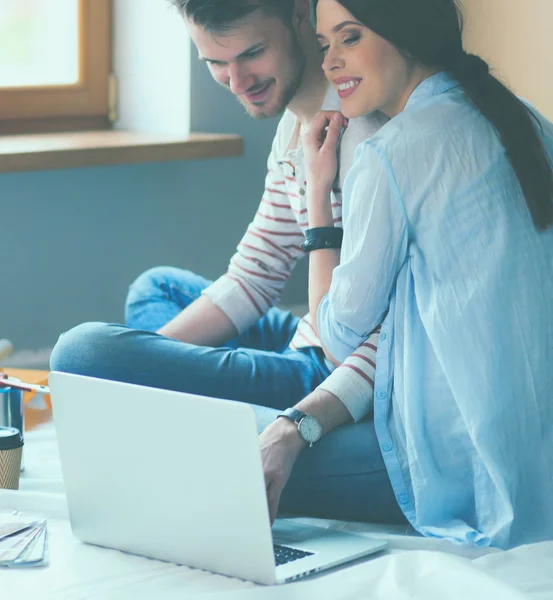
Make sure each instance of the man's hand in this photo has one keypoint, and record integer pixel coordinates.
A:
(280, 446)
(281, 442)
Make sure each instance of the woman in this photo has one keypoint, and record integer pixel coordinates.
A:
(448, 243)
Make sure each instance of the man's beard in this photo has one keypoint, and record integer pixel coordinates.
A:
(290, 87)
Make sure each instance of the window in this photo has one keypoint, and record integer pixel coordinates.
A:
(54, 65)
(56, 80)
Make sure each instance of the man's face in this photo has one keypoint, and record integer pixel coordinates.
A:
(258, 59)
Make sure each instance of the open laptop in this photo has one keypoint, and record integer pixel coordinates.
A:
(178, 477)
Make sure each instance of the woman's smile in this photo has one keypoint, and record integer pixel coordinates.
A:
(346, 86)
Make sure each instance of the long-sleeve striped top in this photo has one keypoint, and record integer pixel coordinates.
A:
(270, 249)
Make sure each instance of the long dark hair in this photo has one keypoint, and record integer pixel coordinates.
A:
(430, 31)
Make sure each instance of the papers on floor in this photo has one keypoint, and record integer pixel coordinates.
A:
(23, 543)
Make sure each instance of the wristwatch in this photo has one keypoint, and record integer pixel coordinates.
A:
(309, 428)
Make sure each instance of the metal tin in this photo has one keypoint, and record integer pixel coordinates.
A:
(12, 410)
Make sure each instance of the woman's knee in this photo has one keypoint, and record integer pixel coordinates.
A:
(84, 349)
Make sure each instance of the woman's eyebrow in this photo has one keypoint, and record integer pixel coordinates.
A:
(340, 26)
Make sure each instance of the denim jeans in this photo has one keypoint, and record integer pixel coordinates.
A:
(343, 476)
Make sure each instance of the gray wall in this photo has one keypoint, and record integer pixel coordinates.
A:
(72, 240)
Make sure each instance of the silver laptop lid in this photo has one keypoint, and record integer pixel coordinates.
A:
(120, 448)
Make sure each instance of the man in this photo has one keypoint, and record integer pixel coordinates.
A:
(225, 339)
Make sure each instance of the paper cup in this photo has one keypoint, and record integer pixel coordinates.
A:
(11, 446)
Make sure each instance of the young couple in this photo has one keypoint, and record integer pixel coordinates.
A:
(430, 285)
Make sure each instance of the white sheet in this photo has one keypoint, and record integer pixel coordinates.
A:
(413, 568)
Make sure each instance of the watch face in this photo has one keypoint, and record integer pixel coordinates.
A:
(310, 429)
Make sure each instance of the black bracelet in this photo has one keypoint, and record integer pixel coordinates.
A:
(319, 238)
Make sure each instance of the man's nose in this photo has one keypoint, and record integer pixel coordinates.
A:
(240, 79)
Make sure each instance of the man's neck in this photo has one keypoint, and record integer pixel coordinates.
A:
(309, 99)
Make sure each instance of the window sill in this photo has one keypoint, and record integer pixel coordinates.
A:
(93, 148)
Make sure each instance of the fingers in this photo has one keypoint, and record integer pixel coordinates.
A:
(327, 116)
(273, 500)
(333, 132)
(322, 123)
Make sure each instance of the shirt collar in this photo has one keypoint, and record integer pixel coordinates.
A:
(434, 85)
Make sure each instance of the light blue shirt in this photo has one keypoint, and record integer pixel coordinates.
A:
(440, 247)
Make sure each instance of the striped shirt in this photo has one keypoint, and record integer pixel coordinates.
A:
(270, 249)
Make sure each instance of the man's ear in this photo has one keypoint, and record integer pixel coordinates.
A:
(302, 13)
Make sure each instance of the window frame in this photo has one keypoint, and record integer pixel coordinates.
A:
(83, 105)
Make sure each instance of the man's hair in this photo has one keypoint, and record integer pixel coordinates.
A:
(220, 15)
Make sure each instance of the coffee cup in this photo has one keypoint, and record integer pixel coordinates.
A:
(11, 447)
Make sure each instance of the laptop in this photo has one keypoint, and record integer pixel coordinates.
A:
(178, 477)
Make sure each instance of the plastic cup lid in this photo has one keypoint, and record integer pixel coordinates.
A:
(10, 438)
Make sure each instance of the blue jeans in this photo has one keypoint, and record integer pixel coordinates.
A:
(343, 476)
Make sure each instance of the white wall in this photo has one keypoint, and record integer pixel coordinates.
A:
(152, 62)
(516, 37)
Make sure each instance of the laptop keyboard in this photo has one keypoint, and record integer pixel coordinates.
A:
(285, 554)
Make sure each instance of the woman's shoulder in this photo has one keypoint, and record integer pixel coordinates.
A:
(433, 123)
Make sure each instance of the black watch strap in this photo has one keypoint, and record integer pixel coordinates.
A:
(293, 414)
(319, 238)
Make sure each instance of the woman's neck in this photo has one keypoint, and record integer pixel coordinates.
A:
(417, 76)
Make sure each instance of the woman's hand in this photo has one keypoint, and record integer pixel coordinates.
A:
(320, 145)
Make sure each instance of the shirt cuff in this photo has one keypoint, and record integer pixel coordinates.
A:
(354, 391)
(337, 339)
(227, 295)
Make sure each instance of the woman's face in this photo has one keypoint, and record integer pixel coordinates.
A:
(367, 71)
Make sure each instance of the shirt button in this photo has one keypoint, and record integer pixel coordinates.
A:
(302, 192)
(387, 447)
(403, 499)
(381, 395)
(383, 336)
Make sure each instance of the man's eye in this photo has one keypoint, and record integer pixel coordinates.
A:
(255, 53)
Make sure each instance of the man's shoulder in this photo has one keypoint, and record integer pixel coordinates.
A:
(359, 130)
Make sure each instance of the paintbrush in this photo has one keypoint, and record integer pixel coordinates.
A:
(6, 381)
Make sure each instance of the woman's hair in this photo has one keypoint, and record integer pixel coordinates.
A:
(220, 15)
(430, 33)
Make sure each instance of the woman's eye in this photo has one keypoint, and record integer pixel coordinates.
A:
(323, 49)
(352, 39)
